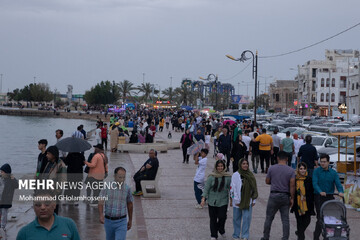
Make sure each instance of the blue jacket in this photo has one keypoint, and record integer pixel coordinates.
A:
(325, 181)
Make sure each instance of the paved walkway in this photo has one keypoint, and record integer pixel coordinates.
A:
(173, 216)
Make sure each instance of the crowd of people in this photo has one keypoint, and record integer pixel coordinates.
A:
(298, 182)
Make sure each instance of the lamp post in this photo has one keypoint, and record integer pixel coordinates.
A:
(209, 77)
(243, 58)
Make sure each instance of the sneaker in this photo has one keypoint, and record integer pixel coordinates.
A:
(139, 193)
(198, 206)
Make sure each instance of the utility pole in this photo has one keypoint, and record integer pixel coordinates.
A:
(143, 78)
(348, 91)
(171, 82)
(329, 93)
(1, 82)
(238, 88)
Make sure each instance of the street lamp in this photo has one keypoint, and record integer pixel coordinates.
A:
(243, 58)
(215, 77)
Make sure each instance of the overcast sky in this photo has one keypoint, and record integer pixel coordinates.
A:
(82, 42)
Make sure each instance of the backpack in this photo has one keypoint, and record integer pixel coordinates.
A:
(183, 141)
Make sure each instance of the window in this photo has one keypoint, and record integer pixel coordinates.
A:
(277, 97)
(327, 82)
(333, 82)
(314, 72)
(327, 97)
(273, 95)
(353, 86)
(322, 82)
(322, 97)
(353, 111)
(342, 82)
(333, 97)
(357, 85)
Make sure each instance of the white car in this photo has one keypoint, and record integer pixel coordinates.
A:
(322, 141)
(343, 154)
(292, 130)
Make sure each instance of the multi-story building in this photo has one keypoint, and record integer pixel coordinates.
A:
(282, 94)
(323, 84)
(354, 107)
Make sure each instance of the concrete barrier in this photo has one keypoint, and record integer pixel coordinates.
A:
(142, 147)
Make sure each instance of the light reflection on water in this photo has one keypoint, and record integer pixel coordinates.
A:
(19, 138)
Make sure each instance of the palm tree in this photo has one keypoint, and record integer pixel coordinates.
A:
(184, 95)
(169, 93)
(125, 88)
(147, 90)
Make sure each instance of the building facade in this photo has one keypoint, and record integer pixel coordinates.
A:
(282, 94)
(323, 85)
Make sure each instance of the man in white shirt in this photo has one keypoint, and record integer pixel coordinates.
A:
(98, 134)
(276, 142)
(59, 134)
(78, 133)
(246, 139)
(199, 179)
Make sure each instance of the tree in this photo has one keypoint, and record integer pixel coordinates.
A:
(103, 93)
(169, 93)
(146, 89)
(125, 88)
(183, 94)
(14, 95)
(40, 92)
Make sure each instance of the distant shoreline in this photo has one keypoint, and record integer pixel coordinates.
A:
(50, 114)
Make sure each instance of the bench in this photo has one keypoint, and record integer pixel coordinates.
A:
(150, 188)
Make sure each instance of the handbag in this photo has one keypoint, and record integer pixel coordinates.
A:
(86, 170)
(106, 172)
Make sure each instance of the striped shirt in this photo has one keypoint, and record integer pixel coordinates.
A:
(116, 204)
(78, 134)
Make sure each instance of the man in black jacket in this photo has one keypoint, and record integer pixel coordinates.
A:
(224, 145)
(147, 172)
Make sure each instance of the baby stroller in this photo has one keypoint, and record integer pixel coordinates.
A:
(333, 221)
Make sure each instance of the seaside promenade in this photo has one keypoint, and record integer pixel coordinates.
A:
(173, 216)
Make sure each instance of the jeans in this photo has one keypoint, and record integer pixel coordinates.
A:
(245, 215)
(198, 192)
(319, 201)
(274, 156)
(289, 155)
(255, 162)
(264, 155)
(185, 155)
(95, 191)
(4, 214)
(278, 201)
(228, 156)
(217, 220)
(115, 229)
(302, 222)
(104, 142)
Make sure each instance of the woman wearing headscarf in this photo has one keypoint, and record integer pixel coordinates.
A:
(238, 152)
(303, 207)
(114, 135)
(243, 194)
(216, 192)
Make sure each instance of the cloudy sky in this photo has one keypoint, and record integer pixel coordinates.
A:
(82, 42)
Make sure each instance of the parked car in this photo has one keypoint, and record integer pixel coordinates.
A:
(270, 128)
(322, 141)
(345, 153)
(282, 133)
(333, 148)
